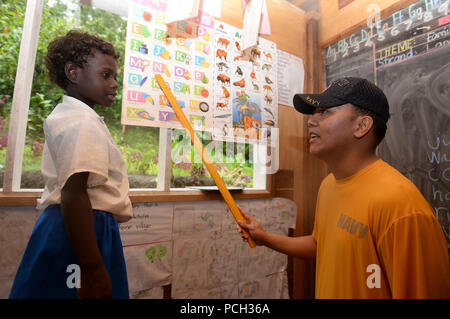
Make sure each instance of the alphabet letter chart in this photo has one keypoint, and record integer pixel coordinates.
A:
(181, 52)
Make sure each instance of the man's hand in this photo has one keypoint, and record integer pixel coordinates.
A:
(301, 247)
(252, 227)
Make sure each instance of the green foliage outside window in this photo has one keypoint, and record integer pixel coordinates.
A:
(139, 145)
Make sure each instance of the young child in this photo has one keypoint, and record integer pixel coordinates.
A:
(86, 182)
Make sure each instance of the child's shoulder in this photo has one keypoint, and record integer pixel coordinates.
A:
(67, 115)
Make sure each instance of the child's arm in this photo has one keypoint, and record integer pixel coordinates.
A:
(79, 223)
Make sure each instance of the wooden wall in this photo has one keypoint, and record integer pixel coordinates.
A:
(299, 174)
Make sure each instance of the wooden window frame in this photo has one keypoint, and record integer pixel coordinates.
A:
(13, 195)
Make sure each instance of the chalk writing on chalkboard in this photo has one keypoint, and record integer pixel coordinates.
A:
(415, 19)
(407, 55)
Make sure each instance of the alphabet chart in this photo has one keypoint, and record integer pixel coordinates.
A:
(181, 52)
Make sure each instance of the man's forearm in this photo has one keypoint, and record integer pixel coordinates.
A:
(300, 247)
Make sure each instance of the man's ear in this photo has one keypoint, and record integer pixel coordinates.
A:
(71, 70)
(364, 124)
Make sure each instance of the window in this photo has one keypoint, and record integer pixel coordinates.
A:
(153, 156)
(233, 162)
(11, 22)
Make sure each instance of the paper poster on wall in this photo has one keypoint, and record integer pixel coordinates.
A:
(190, 219)
(181, 52)
(204, 252)
(212, 7)
(210, 258)
(290, 77)
(265, 23)
(148, 266)
(151, 222)
(252, 22)
(151, 293)
(245, 92)
(182, 10)
(204, 264)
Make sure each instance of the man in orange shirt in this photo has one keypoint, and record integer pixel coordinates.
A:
(375, 235)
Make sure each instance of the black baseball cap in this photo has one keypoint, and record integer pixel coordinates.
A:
(357, 91)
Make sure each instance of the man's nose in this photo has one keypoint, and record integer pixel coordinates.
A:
(312, 121)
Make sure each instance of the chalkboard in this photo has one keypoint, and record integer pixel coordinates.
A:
(408, 56)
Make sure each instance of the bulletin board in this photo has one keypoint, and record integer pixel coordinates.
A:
(407, 54)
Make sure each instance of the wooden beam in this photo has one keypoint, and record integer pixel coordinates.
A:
(145, 196)
(164, 159)
(308, 179)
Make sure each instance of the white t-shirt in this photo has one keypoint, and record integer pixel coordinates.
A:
(77, 140)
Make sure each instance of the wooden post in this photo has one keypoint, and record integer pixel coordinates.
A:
(21, 95)
(164, 159)
(307, 179)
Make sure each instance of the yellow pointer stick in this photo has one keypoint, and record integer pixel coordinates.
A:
(199, 146)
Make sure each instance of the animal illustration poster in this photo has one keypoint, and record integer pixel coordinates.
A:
(181, 52)
(245, 90)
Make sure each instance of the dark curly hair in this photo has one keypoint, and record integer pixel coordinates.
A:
(76, 47)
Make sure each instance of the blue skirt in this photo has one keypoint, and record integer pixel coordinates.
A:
(43, 271)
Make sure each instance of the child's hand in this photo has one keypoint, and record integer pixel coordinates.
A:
(252, 227)
(95, 283)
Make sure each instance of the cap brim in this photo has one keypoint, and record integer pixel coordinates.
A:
(306, 103)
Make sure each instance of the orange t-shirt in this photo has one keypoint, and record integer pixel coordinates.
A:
(377, 237)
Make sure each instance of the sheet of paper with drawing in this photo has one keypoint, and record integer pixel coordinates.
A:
(202, 255)
(147, 242)
(210, 260)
